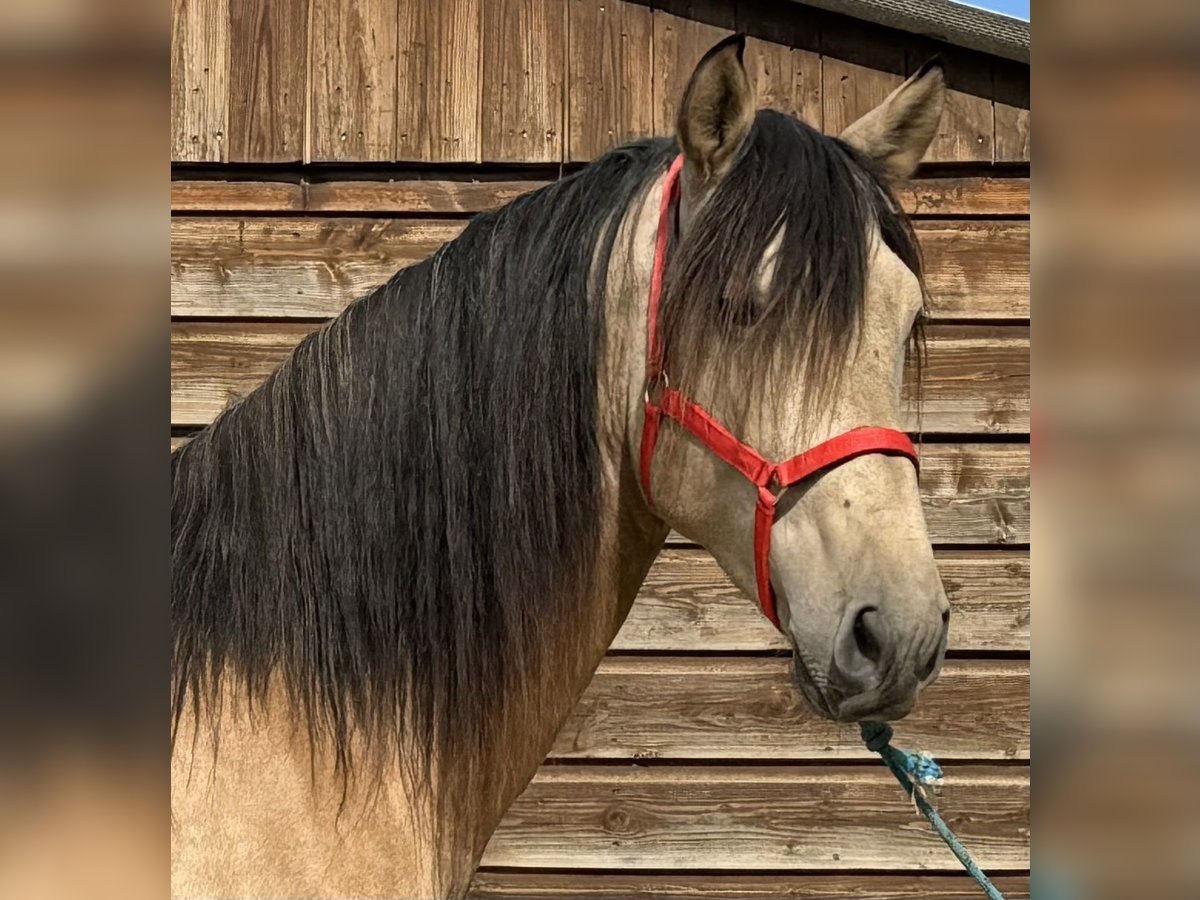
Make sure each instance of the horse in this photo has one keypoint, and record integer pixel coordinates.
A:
(399, 561)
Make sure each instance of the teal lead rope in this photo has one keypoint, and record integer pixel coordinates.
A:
(916, 772)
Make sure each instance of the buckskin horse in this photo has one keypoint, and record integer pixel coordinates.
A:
(398, 562)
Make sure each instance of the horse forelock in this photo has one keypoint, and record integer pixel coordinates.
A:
(810, 205)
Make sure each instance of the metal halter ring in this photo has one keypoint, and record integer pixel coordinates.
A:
(662, 376)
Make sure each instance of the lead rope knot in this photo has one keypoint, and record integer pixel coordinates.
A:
(921, 768)
(876, 735)
(917, 773)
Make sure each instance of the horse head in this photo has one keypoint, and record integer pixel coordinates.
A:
(790, 294)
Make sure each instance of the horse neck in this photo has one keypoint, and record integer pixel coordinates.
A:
(630, 537)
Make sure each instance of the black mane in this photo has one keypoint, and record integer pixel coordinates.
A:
(387, 521)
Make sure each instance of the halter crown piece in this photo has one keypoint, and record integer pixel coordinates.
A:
(769, 478)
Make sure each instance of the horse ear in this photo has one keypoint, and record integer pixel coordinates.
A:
(897, 132)
(717, 109)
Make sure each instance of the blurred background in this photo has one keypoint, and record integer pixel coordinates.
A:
(84, 106)
(84, 101)
(1116, 461)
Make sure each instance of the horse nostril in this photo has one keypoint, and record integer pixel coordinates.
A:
(864, 634)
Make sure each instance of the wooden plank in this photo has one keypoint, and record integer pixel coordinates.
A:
(501, 885)
(966, 130)
(292, 267)
(352, 88)
(684, 30)
(976, 380)
(976, 493)
(268, 75)
(213, 364)
(860, 66)
(389, 197)
(783, 57)
(786, 79)
(864, 63)
(688, 604)
(456, 197)
(199, 80)
(976, 270)
(236, 196)
(749, 709)
(825, 818)
(609, 86)
(437, 98)
(278, 267)
(1011, 85)
(524, 68)
(967, 196)
(850, 91)
(1012, 133)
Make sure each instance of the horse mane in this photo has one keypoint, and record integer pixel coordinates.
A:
(389, 523)
(723, 329)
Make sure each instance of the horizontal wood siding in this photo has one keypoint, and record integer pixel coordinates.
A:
(687, 604)
(976, 379)
(308, 266)
(942, 196)
(747, 709)
(794, 818)
(509, 885)
(691, 768)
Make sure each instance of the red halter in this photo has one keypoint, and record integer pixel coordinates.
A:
(766, 476)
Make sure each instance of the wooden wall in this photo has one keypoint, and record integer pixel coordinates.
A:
(521, 81)
(319, 145)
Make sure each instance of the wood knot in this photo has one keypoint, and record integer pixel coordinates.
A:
(618, 821)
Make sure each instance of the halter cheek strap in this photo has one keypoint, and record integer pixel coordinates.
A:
(768, 478)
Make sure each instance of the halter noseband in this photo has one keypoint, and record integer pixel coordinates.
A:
(769, 478)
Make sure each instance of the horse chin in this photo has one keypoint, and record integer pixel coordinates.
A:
(868, 706)
(808, 688)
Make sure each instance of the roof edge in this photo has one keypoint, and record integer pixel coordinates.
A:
(943, 20)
